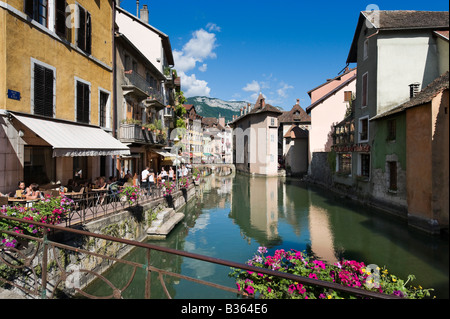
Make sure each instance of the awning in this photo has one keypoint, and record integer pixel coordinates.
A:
(164, 153)
(72, 139)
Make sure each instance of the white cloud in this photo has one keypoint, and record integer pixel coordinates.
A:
(252, 87)
(193, 86)
(213, 27)
(198, 49)
(282, 91)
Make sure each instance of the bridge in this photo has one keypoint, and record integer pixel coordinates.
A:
(221, 169)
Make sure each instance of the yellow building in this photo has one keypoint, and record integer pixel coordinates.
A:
(56, 65)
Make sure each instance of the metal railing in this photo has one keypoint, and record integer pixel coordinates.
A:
(42, 288)
(96, 204)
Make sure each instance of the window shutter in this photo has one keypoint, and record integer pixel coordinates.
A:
(81, 40)
(43, 91)
(60, 17)
(29, 8)
(88, 33)
(83, 96)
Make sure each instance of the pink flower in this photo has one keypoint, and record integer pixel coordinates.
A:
(312, 276)
(250, 290)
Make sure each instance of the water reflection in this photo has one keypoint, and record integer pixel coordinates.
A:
(231, 217)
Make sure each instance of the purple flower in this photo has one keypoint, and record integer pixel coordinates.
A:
(398, 293)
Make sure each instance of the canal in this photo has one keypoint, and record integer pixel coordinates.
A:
(232, 217)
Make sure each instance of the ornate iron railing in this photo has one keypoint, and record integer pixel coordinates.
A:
(35, 265)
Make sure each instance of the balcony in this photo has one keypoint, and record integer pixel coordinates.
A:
(136, 133)
(136, 84)
(168, 112)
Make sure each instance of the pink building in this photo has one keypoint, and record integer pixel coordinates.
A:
(329, 103)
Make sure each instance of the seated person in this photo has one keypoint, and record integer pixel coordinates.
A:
(33, 192)
(22, 190)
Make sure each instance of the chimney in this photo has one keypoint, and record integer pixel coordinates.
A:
(137, 8)
(144, 13)
(298, 102)
(413, 89)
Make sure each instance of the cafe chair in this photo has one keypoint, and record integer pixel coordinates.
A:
(3, 200)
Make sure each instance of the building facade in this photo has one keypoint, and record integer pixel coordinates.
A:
(395, 52)
(255, 139)
(57, 116)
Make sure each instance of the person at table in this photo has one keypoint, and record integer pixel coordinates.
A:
(22, 190)
(33, 192)
(101, 183)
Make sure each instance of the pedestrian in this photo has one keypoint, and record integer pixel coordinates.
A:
(144, 177)
(151, 179)
(171, 174)
(163, 175)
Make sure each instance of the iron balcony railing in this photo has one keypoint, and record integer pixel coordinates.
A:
(134, 79)
(135, 133)
(44, 256)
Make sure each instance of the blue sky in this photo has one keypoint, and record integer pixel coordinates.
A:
(233, 50)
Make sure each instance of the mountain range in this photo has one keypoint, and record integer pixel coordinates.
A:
(214, 107)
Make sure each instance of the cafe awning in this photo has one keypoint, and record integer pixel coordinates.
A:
(70, 139)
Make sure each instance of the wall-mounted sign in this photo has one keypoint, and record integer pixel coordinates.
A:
(14, 95)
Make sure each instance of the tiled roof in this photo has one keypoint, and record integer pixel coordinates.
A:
(326, 96)
(296, 132)
(444, 34)
(338, 77)
(291, 117)
(407, 19)
(426, 95)
(398, 20)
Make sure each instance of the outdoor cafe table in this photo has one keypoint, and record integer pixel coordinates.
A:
(22, 201)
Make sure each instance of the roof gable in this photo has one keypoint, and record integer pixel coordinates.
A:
(397, 20)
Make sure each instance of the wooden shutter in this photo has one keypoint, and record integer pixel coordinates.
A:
(29, 8)
(83, 97)
(88, 33)
(43, 91)
(81, 39)
(60, 18)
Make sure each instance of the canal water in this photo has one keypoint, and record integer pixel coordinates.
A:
(232, 217)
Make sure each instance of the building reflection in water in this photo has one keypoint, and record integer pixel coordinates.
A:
(263, 204)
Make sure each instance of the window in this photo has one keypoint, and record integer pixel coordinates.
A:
(364, 129)
(37, 10)
(392, 176)
(366, 49)
(348, 96)
(391, 130)
(103, 111)
(84, 30)
(344, 163)
(60, 18)
(42, 89)
(365, 89)
(365, 165)
(83, 96)
(272, 121)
